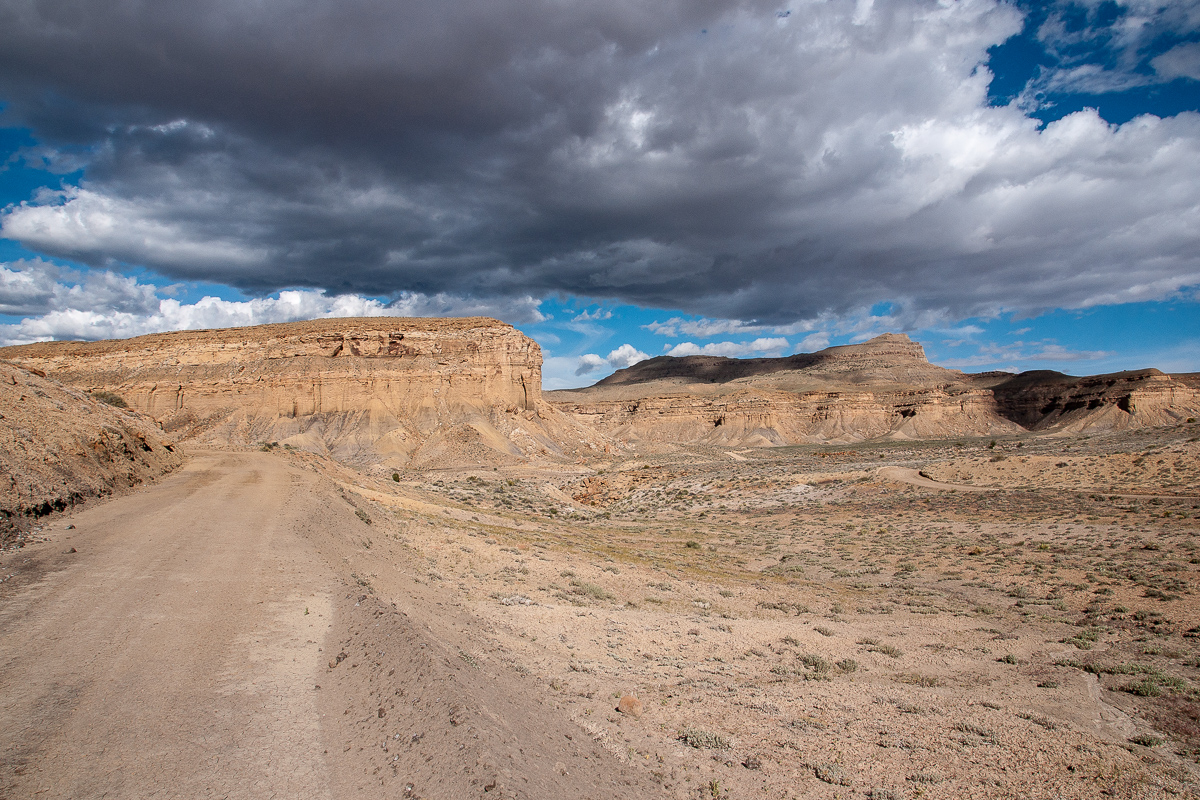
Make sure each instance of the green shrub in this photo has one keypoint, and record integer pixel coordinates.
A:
(699, 739)
(1146, 741)
(109, 398)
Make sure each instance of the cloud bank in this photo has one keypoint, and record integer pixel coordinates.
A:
(105, 305)
(715, 156)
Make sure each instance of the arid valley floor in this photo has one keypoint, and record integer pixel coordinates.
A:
(1005, 615)
(984, 618)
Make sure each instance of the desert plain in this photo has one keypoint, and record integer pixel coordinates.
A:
(508, 600)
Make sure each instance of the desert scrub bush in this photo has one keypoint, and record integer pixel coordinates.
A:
(1146, 741)
(831, 773)
(1036, 719)
(847, 665)
(924, 777)
(589, 590)
(358, 512)
(874, 646)
(787, 608)
(108, 398)
(1152, 684)
(1008, 659)
(823, 631)
(973, 729)
(916, 679)
(819, 667)
(694, 737)
(1085, 639)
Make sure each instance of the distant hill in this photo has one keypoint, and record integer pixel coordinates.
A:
(884, 387)
(889, 358)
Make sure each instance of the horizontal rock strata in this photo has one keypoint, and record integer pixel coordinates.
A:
(404, 391)
(881, 388)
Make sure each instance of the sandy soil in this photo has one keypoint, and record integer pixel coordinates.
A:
(204, 638)
(819, 622)
(1013, 618)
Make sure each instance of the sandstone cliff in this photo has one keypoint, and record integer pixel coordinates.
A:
(882, 388)
(59, 447)
(394, 390)
(1045, 400)
(438, 392)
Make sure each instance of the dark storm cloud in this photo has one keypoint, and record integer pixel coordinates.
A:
(720, 157)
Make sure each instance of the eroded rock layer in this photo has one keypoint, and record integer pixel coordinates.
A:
(1045, 400)
(404, 391)
(60, 447)
(882, 388)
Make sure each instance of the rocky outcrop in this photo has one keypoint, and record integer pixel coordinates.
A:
(891, 358)
(464, 392)
(757, 418)
(393, 390)
(1045, 400)
(59, 447)
(884, 387)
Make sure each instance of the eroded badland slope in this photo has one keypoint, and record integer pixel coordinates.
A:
(882, 388)
(419, 392)
(953, 586)
(60, 447)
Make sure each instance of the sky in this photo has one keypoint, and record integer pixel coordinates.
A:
(1016, 185)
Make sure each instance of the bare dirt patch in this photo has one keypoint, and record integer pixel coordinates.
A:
(801, 623)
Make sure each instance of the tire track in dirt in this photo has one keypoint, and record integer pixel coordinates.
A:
(178, 643)
(172, 654)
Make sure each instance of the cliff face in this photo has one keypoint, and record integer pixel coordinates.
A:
(1046, 400)
(433, 392)
(882, 388)
(757, 418)
(377, 389)
(60, 447)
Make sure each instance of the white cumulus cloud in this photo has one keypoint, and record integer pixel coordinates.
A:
(64, 304)
(761, 346)
(624, 356)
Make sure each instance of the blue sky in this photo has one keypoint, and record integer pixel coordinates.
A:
(1017, 186)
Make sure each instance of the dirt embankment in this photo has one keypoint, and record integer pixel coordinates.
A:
(59, 447)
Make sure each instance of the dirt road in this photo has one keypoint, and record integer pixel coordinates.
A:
(174, 654)
(205, 637)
